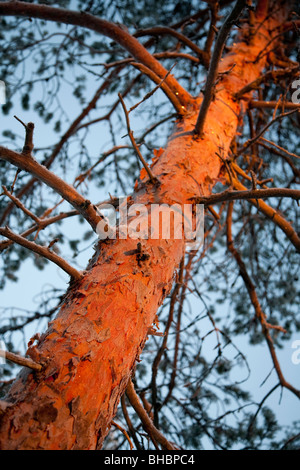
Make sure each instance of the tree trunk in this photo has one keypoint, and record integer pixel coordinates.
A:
(90, 349)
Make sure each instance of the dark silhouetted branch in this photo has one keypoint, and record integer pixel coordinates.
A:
(213, 68)
(260, 315)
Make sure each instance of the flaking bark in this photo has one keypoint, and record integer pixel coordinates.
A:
(90, 349)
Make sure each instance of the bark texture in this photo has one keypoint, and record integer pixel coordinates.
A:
(90, 349)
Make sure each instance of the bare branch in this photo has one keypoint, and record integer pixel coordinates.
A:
(256, 138)
(273, 215)
(40, 226)
(273, 104)
(137, 150)
(148, 95)
(80, 178)
(286, 152)
(213, 68)
(124, 432)
(157, 55)
(253, 419)
(163, 346)
(146, 421)
(266, 78)
(68, 192)
(256, 304)
(101, 26)
(212, 28)
(129, 423)
(249, 194)
(20, 360)
(173, 97)
(41, 251)
(19, 204)
(28, 145)
(164, 30)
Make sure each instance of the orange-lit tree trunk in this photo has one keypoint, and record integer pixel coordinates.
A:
(90, 349)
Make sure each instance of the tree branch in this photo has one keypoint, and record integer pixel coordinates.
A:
(146, 421)
(57, 148)
(254, 139)
(173, 97)
(40, 226)
(20, 360)
(272, 104)
(101, 26)
(273, 215)
(129, 423)
(164, 30)
(42, 251)
(28, 145)
(248, 194)
(213, 68)
(163, 346)
(281, 149)
(157, 55)
(266, 78)
(153, 179)
(124, 432)
(68, 192)
(21, 206)
(150, 93)
(256, 304)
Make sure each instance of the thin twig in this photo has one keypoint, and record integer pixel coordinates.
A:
(43, 223)
(146, 421)
(257, 137)
(68, 192)
(155, 125)
(213, 68)
(260, 315)
(273, 215)
(184, 287)
(22, 361)
(129, 423)
(212, 28)
(42, 251)
(163, 30)
(80, 178)
(134, 144)
(148, 95)
(290, 154)
(295, 170)
(171, 95)
(266, 78)
(289, 441)
(157, 55)
(28, 145)
(163, 346)
(124, 432)
(20, 205)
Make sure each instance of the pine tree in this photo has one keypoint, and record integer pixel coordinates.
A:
(151, 322)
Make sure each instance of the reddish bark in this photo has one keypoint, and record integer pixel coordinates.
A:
(90, 349)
